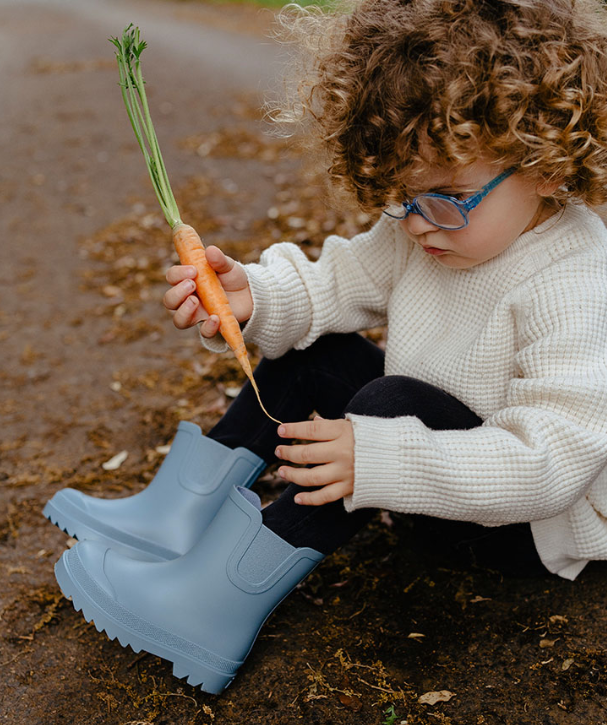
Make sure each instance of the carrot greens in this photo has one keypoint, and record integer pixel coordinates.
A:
(128, 55)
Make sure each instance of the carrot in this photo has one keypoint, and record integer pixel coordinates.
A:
(212, 295)
(188, 244)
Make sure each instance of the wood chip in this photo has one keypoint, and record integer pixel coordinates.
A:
(115, 462)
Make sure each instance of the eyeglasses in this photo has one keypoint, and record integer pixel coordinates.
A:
(445, 212)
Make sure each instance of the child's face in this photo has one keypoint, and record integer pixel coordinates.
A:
(513, 207)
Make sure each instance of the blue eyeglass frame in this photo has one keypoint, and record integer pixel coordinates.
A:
(464, 206)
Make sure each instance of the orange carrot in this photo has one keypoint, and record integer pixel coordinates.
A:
(187, 243)
(190, 250)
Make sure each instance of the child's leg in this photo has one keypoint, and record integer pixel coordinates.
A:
(321, 378)
(327, 527)
(509, 548)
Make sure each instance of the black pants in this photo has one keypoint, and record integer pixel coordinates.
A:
(336, 375)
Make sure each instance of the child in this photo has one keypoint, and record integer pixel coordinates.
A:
(477, 130)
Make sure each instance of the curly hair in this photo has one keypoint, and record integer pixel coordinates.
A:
(396, 85)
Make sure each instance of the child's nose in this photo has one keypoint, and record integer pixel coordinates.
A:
(416, 224)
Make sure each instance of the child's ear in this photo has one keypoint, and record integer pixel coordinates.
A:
(547, 188)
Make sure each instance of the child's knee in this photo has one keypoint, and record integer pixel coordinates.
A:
(389, 396)
(393, 396)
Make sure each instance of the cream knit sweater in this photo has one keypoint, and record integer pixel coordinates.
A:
(520, 339)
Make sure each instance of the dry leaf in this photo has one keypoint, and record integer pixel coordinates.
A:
(558, 619)
(110, 290)
(207, 711)
(431, 698)
(567, 664)
(349, 702)
(415, 635)
(23, 570)
(545, 643)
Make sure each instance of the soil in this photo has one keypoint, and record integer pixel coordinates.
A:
(391, 629)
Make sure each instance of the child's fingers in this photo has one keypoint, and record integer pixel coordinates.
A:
(190, 313)
(177, 295)
(318, 429)
(218, 260)
(312, 453)
(327, 494)
(210, 326)
(316, 476)
(179, 272)
(231, 275)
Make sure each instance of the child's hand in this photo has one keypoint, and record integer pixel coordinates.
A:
(332, 458)
(182, 300)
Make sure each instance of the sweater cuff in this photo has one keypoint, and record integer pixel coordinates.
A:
(554, 540)
(261, 285)
(377, 464)
(213, 344)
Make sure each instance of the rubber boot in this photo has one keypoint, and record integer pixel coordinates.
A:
(202, 611)
(164, 520)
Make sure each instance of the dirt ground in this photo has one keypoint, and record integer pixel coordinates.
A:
(92, 366)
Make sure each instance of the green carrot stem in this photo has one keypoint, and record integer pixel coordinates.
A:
(132, 85)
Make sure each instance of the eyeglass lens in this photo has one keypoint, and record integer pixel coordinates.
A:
(441, 211)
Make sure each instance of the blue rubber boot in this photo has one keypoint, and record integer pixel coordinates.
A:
(202, 611)
(164, 520)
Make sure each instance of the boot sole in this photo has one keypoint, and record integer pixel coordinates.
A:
(139, 634)
(77, 528)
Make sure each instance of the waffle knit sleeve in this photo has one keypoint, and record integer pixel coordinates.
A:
(296, 300)
(535, 457)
